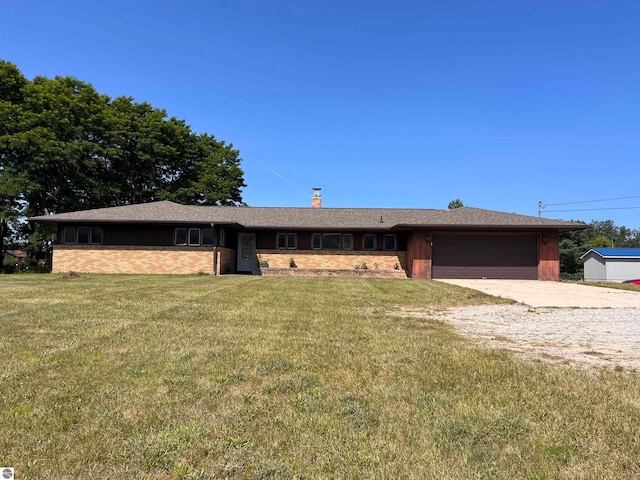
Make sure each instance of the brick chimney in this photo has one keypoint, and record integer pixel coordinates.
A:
(316, 200)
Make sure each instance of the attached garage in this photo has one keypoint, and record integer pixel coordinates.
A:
(485, 256)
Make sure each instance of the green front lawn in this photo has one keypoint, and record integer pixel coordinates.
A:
(263, 377)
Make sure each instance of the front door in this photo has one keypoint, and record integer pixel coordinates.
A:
(246, 252)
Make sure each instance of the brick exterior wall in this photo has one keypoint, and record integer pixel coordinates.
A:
(325, 260)
(191, 260)
(226, 261)
(307, 272)
(146, 260)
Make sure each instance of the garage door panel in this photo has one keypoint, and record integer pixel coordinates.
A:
(485, 256)
(514, 273)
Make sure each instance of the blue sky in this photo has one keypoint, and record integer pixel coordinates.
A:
(382, 104)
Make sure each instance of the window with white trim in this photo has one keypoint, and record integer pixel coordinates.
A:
(347, 241)
(331, 241)
(390, 242)
(194, 236)
(286, 241)
(368, 241)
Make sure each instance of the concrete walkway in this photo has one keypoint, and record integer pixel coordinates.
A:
(554, 294)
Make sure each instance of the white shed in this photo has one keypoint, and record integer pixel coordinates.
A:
(611, 264)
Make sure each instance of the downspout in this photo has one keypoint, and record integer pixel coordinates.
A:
(215, 249)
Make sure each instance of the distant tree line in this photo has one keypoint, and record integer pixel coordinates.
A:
(66, 147)
(603, 233)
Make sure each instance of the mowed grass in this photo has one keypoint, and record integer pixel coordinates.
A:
(617, 285)
(193, 377)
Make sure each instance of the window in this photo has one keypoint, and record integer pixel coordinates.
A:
(221, 238)
(347, 241)
(69, 234)
(291, 240)
(82, 235)
(181, 236)
(287, 240)
(96, 234)
(207, 236)
(389, 242)
(194, 236)
(369, 241)
(331, 241)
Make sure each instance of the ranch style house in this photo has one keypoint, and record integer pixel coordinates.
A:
(168, 238)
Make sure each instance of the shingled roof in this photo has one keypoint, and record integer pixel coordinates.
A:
(307, 218)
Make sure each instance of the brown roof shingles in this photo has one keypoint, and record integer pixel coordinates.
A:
(307, 218)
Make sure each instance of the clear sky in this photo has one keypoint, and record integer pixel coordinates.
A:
(381, 103)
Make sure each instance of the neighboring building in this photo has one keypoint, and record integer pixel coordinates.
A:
(165, 237)
(18, 255)
(611, 264)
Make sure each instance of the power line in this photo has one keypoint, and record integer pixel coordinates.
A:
(593, 201)
(592, 209)
(542, 206)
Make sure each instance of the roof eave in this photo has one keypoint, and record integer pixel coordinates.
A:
(476, 227)
(131, 221)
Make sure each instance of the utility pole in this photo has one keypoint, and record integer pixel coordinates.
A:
(540, 208)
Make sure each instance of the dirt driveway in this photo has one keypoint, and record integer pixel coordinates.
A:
(556, 322)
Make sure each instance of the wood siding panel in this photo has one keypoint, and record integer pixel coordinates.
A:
(419, 255)
(549, 265)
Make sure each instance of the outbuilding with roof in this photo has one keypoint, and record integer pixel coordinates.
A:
(611, 264)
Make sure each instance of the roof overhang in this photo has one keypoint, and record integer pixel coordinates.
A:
(611, 257)
(496, 228)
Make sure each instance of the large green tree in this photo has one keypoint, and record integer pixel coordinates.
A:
(64, 147)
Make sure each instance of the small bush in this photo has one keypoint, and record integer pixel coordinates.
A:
(9, 265)
(292, 263)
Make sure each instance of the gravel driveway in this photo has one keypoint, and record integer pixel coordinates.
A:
(556, 322)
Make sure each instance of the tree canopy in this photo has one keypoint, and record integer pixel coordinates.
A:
(457, 203)
(66, 147)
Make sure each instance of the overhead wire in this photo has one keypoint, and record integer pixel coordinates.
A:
(593, 201)
(592, 209)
